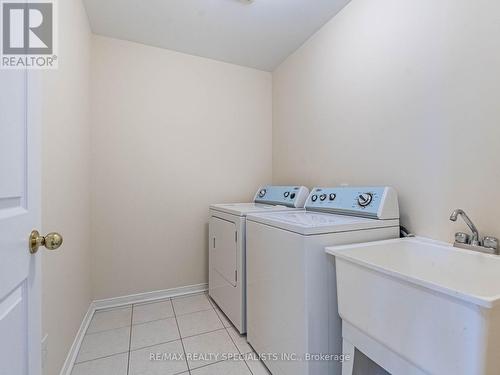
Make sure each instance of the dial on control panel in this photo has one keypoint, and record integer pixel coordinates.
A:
(314, 198)
(262, 193)
(365, 199)
(322, 197)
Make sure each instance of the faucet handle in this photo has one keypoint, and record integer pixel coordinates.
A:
(462, 238)
(490, 242)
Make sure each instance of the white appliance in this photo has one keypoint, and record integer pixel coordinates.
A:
(291, 283)
(227, 224)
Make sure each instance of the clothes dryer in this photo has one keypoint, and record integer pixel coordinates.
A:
(227, 245)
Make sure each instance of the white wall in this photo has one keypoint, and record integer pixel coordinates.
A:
(66, 182)
(403, 93)
(171, 133)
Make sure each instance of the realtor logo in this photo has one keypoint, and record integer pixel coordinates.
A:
(28, 31)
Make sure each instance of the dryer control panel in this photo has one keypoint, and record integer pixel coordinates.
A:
(290, 196)
(372, 202)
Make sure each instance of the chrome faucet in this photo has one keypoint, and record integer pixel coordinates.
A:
(475, 233)
(487, 244)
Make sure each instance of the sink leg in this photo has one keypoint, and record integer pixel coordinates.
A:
(348, 350)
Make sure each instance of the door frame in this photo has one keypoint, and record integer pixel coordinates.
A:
(34, 117)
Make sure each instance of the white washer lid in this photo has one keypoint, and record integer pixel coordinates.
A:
(308, 223)
(242, 209)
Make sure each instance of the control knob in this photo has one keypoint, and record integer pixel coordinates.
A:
(322, 197)
(365, 199)
(314, 198)
(262, 193)
(287, 193)
(333, 196)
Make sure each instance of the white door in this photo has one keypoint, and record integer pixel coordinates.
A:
(20, 316)
(224, 248)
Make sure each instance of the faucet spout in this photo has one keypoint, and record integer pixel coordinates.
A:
(468, 221)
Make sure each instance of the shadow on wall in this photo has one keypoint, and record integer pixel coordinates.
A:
(364, 365)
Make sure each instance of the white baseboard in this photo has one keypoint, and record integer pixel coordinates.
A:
(122, 301)
(77, 342)
(149, 296)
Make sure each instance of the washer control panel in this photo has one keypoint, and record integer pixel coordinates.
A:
(290, 196)
(372, 202)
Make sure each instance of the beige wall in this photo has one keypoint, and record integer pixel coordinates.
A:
(171, 133)
(66, 182)
(398, 92)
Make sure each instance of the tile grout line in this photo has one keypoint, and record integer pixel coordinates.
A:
(130, 340)
(165, 318)
(200, 334)
(194, 312)
(239, 351)
(180, 337)
(131, 326)
(215, 307)
(105, 330)
(237, 348)
(87, 333)
(98, 358)
(203, 333)
(227, 330)
(189, 295)
(152, 321)
(114, 308)
(211, 364)
(173, 340)
(153, 345)
(147, 322)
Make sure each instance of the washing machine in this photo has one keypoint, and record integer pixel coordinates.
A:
(292, 316)
(227, 245)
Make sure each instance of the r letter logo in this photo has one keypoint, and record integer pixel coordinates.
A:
(28, 35)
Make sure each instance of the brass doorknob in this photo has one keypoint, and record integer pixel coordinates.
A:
(51, 241)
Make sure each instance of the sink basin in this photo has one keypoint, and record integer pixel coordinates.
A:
(417, 306)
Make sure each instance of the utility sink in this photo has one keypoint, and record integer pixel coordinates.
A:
(417, 306)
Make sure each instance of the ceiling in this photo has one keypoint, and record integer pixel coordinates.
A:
(259, 34)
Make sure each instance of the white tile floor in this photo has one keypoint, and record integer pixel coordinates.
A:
(189, 335)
